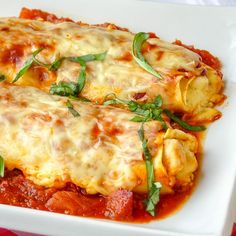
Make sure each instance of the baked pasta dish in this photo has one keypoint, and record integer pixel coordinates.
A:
(97, 121)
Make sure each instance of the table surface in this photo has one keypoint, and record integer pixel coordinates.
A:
(6, 232)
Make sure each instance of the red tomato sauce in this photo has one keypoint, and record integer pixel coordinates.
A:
(35, 14)
(126, 57)
(206, 56)
(12, 55)
(122, 205)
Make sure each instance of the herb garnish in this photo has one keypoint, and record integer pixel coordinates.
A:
(138, 41)
(79, 99)
(89, 57)
(53, 66)
(153, 187)
(82, 77)
(56, 64)
(2, 77)
(63, 88)
(28, 63)
(152, 111)
(72, 88)
(1, 166)
(195, 128)
(71, 109)
(145, 112)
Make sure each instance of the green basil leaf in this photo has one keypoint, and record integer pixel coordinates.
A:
(82, 61)
(138, 119)
(89, 57)
(82, 76)
(109, 95)
(64, 89)
(111, 102)
(28, 63)
(154, 198)
(36, 52)
(71, 109)
(133, 105)
(158, 101)
(145, 113)
(183, 123)
(53, 66)
(56, 64)
(37, 61)
(153, 188)
(152, 111)
(24, 69)
(138, 41)
(157, 114)
(148, 106)
(114, 101)
(2, 77)
(163, 123)
(1, 166)
(79, 98)
(147, 156)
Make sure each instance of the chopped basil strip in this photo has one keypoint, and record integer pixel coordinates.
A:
(39, 62)
(153, 187)
(114, 101)
(158, 101)
(79, 98)
(151, 111)
(64, 89)
(153, 198)
(183, 123)
(56, 64)
(145, 112)
(138, 119)
(1, 166)
(82, 76)
(82, 61)
(71, 88)
(26, 65)
(53, 66)
(2, 77)
(89, 57)
(139, 39)
(71, 109)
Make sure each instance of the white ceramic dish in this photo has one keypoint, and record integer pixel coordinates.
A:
(210, 210)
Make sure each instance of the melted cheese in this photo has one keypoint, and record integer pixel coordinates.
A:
(100, 150)
(188, 85)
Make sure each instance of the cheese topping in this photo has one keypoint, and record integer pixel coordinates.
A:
(100, 150)
(185, 76)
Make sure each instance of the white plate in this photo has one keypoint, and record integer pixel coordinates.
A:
(210, 209)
